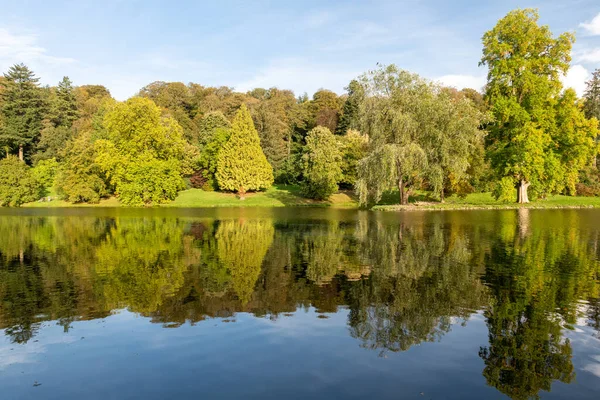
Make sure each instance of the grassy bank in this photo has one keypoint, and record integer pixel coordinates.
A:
(276, 196)
(483, 201)
(289, 196)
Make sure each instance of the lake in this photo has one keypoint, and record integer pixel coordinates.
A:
(299, 303)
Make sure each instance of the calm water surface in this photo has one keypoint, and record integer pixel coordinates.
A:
(299, 303)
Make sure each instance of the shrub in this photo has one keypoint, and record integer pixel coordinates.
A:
(17, 184)
(505, 190)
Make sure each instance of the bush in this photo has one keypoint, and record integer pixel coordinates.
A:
(17, 184)
(589, 182)
(505, 190)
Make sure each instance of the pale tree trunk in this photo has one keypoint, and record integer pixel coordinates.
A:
(21, 152)
(242, 193)
(522, 192)
(523, 222)
(442, 195)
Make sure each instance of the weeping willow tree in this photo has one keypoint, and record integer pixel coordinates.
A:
(416, 131)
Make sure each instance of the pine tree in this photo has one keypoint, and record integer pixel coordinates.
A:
(592, 96)
(242, 165)
(22, 109)
(349, 118)
(64, 109)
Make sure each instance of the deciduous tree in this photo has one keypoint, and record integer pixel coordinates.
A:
(321, 164)
(524, 63)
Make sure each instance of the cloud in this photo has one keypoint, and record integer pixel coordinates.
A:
(576, 78)
(16, 48)
(299, 76)
(588, 55)
(592, 27)
(463, 81)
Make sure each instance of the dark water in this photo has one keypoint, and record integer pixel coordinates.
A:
(299, 303)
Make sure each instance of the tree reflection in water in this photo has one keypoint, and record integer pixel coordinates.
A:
(405, 281)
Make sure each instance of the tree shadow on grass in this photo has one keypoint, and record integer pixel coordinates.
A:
(291, 196)
(393, 198)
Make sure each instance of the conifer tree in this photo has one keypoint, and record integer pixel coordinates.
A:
(22, 109)
(64, 109)
(350, 111)
(592, 96)
(241, 164)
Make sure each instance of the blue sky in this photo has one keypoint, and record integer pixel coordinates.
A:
(299, 45)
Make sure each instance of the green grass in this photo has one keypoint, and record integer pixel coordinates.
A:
(276, 196)
(486, 201)
(289, 196)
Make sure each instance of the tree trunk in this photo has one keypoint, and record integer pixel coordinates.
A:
(522, 192)
(242, 193)
(403, 192)
(442, 195)
(21, 152)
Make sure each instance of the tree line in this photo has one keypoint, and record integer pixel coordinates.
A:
(523, 137)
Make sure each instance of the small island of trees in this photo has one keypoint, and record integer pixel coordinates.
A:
(393, 133)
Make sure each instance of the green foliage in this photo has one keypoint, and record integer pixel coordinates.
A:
(22, 109)
(175, 98)
(349, 120)
(592, 96)
(53, 141)
(326, 108)
(209, 156)
(321, 164)
(575, 137)
(209, 124)
(353, 147)
(241, 163)
(504, 190)
(45, 172)
(17, 183)
(273, 116)
(142, 154)
(63, 107)
(80, 179)
(416, 132)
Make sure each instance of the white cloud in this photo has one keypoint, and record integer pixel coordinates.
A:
(592, 27)
(576, 78)
(16, 48)
(299, 76)
(463, 81)
(588, 55)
